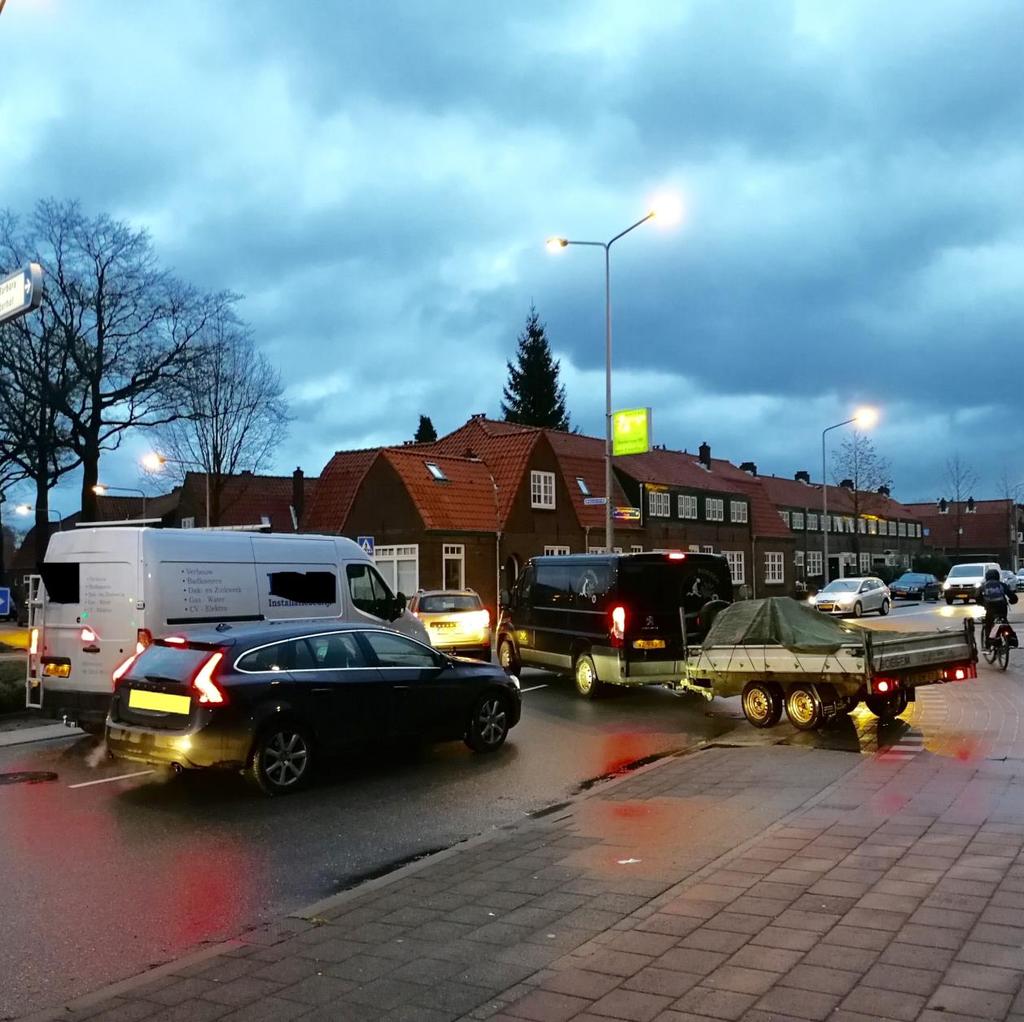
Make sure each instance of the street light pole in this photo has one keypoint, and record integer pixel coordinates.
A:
(153, 462)
(101, 488)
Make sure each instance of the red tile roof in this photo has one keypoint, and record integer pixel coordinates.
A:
(464, 502)
(986, 528)
(339, 482)
(247, 498)
(582, 457)
(793, 493)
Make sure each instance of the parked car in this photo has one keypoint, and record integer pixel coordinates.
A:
(1009, 579)
(854, 596)
(456, 621)
(1020, 580)
(611, 619)
(271, 700)
(914, 585)
(964, 581)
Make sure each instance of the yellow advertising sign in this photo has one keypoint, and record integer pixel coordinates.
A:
(631, 431)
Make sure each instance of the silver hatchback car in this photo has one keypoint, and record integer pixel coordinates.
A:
(854, 597)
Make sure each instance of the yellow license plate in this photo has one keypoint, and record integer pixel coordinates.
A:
(57, 670)
(649, 644)
(162, 701)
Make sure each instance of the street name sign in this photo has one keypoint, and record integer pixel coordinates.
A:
(595, 501)
(21, 292)
(631, 431)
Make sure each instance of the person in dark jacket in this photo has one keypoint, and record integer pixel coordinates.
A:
(996, 597)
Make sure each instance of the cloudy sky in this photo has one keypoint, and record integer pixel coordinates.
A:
(378, 178)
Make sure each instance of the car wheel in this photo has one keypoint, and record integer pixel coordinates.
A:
(884, 609)
(488, 726)
(803, 707)
(888, 707)
(282, 759)
(585, 675)
(949, 600)
(762, 703)
(858, 609)
(507, 657)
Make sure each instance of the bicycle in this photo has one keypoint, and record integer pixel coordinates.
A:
(998, 643)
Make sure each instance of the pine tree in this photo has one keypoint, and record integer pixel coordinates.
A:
(533, 396)
(425, 433)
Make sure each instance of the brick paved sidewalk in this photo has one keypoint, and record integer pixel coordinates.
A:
(748, 883)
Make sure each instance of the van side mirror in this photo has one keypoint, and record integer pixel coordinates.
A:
(398, 606)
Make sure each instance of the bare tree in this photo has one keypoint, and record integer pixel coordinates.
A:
(961, 480)
(127, 326)
(858, 461)
(233, 414)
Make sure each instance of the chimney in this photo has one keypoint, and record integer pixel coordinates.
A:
(298, 493)
(884, 491)
(704, 454)
(803, 477)
(847, 484)
(749, 466)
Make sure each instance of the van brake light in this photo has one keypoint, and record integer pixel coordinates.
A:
(122, 669)
(210, 693)
(33, 644)
(88, 635)
(676, 556)
(175, 640)
(618, 629)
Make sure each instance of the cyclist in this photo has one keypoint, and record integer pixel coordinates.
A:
(996, 596)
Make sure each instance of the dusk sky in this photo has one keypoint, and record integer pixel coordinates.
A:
(378, 180)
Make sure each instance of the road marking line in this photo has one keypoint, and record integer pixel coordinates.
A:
(107, 780)
(534, 688)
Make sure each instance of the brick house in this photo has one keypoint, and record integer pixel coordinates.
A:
(275, 502)
(974, 530)
(867, 531)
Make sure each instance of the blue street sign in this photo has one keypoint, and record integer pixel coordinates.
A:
(366, 542)
(21, 292)
(5, 602)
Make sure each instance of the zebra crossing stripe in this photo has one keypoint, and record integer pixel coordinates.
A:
(906, 748)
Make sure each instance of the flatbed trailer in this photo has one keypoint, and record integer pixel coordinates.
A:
(815, 684)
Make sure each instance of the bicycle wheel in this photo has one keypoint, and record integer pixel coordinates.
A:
(990, 653)
(1004, 657)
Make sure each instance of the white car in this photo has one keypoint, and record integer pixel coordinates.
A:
(854, 597)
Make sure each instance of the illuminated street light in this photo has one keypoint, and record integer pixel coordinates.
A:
(864, 418)
(154, 462)
(27, 509)
(101, 490)
(665, 209)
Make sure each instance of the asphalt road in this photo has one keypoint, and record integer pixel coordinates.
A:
(99, 880)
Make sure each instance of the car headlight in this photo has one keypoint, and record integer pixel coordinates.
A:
(946, 585)
(515, 681)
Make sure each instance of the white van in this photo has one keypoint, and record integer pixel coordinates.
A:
(105, 592)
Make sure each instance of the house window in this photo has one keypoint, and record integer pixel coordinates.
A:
(636, 549)
(714, 508)
(812, 522)
(798, 558)
(865, 562)
(707, 549)
(736, 566)
(774, 568)
(582, 484)
(596, 549)
(813, 562)
(737, 511)
(784, 515)
(436, 472)
(837, 524)
(862, 526)
(798, 520)
(687, 506)
(694, 548)
(902, 528)
(943, 510)
(542, 489)
(555, 551)
(892, 528)
(188, 523)
(850, 527)
(883, 528)
(659, 503)
(400, 567)
(872, 528)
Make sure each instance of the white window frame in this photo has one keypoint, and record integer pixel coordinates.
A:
(797, 521)
(387, 560)
(814, 558)
(737, 566)
(862, 526)
(582, 484)
(659, 504)
(738, 512)
(865, 562)
(693, 548)
(784, 515)
(686, 504)
(636, 549)
(892, 528)
(714, 509)
(189, 522)
(455, 553)
(798, 558)
(812, 522)
(902, 527)
(774, 568)
(597, 550)
(872, 528)
(707, 548)
(849, 524)
(542, 490)
(556, 551)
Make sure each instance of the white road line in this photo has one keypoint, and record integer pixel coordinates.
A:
(534, 688)
(107, 780)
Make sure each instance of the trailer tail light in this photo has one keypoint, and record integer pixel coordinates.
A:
(210, 693)
(618, 626)
(122, 669)
(143, 638)
(960, 672)
(884, 686)
(88, 635)
(33, 642)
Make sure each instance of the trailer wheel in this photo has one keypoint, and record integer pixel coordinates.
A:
(888, 707)
(762, 703)
(803, 707)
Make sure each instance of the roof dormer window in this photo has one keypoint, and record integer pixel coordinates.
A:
(436, 472)
(582, 484)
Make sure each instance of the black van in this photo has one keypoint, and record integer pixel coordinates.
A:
(611, 619)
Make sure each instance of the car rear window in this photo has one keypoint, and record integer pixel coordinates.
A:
(670, 584)
(171, 663)
(441, 604)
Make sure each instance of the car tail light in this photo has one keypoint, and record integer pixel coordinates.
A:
(618, 626)
(479, 618)
(88, 635)
(175, 640)
(33, 642)
(143, 638)
(210, 693)
(677, 556)
(122, 669)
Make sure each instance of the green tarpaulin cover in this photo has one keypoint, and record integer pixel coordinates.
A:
(779, 621)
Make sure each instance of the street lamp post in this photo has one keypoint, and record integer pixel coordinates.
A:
(100, 489)
(865, 418)
(667, 209)
(27, 509)
(153, 462)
